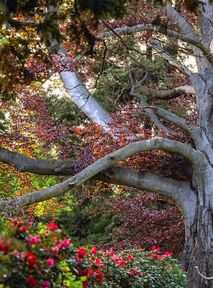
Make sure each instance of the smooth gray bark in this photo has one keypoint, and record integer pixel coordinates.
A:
(84, 100)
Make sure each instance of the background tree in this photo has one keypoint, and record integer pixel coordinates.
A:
(193, 194)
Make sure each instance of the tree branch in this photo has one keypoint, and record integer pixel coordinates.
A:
(188, 35)
(38, 166)
(166, 94)
(104, 163)
(157, 46)
(150, 113)
(180, 22)
(147, 181)
(173, 118)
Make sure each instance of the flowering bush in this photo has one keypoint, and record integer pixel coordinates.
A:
(38, 255)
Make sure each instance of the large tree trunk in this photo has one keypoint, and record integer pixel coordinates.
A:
(198, 252)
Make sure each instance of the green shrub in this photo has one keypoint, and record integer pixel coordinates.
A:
(37, 255)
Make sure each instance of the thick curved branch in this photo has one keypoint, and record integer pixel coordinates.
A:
(104, 163)
(140, 146)
(149, 27)
(147, 181)
(38, 166)
(186, 36)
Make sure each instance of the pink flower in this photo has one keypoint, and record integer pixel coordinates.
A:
(94, 250)
(108, 252)
(116, 258)
(45, 284)
(81, 252)
(52, 225)
(47, 232)
(34, 240)
(30, 224)
(64, 243)
(23, 229)
(50, 262)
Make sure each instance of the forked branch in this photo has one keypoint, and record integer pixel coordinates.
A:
(103, 164)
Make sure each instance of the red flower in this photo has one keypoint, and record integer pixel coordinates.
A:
(99, 276)
(4, 247)
(130, 257)
(155, 249)
(90, 273)
(23, 229)
(81, 252)
(167, 253)
(16, 222)
(154, 256)
(121, 262)
(134, 272)
(93, 250)
(31, 260)
(31, 280)
(52, 225)
(98, 262)
(82, 272)
(85, 284)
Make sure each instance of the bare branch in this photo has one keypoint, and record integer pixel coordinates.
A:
(147, 181)
(166, 94)
(180, 22)
(173, 118)
(38, 166)
(188, 37)
(150, 113)
(104, 163)
(157, 46)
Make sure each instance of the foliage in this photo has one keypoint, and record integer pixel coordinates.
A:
(118, 217)
(38, 255)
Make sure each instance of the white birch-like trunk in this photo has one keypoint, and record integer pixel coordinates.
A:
(84, 100)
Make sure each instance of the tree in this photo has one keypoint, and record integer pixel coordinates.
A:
(194, 196)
